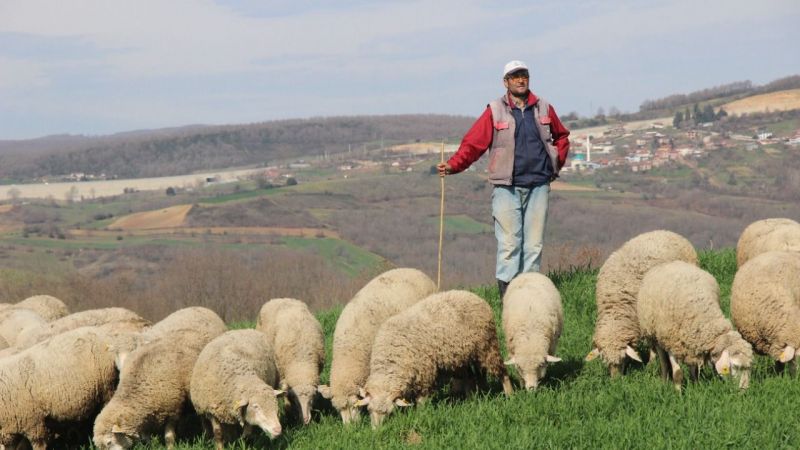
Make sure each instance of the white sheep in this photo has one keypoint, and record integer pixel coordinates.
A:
(765, 304)
(384, 296)
(153, 391)
(617, 328)
(232, 383)
(194, 317)
(679, 313)
(62, 380)
(767, 235)
(91, 317)
(532, 319)
(47, 306)
(16, 321)
(299, 344)
(444, 333)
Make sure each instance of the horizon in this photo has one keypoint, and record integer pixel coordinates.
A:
(96, 68)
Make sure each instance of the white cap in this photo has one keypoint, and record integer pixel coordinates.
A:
(513, 66)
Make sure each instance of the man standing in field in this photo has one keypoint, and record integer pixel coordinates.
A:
(527, 146)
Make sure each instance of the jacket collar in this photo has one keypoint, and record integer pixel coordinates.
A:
(532, 99)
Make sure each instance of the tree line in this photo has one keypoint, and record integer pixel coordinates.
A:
(218, 147)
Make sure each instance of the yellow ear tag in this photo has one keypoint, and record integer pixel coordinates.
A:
(726, 370)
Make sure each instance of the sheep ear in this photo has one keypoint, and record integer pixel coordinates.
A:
(119, 360)
(723, 364)
(279, 392)
(401, 402)
(632, 354)
(241, 407)
(787, 354)
(363, 402)
(592, 354)
(552, 359)
(362, 392)
(510, 361)
(116, 429)
(325, 391)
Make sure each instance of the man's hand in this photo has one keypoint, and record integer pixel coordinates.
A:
(444, 169)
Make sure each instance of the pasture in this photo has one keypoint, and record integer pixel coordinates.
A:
(578, 406)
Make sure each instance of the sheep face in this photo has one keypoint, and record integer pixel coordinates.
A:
(301, 398)
(614, 358)
(261, 410)
(532, 371)
(349, 409)
(736, 364)
(114, 441)
(380, 406)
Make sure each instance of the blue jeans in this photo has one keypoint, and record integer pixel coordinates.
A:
(519, 218)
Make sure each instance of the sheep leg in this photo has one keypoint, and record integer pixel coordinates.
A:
(508, 389)
(694, 372)
(666, 367)
(206, 426)
(36, 444)
(793, 367)
(218, 434)
(169, 432)
(677, 373)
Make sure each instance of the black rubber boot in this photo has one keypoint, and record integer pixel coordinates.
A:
(502, 285)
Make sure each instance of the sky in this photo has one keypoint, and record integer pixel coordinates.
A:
(96, 67)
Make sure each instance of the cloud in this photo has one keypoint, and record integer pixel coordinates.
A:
(151, 38)
(618, 26)
(20, 74)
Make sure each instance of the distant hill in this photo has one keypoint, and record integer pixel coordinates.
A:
(194, 148)
(189, 149)
(774, 101)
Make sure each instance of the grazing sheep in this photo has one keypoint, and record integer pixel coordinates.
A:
(153, 391)
(444, 333)
(617, 328)
(16, 321)
(47, 306)
(194, 317)
(59, 381)
(532, 320)
(765, 305)
(381, 298)
(299, 344)
(232, 384)
(679, 313)
(91, 317)
(767, 235)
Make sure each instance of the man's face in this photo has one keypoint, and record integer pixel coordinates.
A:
(517, 82)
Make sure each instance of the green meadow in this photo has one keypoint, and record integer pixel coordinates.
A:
(578, 406)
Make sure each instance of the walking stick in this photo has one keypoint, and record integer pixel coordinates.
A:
(441, 228)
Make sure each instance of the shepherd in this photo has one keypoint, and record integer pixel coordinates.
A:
(528, 146)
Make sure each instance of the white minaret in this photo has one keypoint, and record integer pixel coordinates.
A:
(588, 149)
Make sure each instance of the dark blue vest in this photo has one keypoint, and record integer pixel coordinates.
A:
(532, 166)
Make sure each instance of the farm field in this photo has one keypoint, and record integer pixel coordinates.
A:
(578, 406)
(773, 101)
(106, 188)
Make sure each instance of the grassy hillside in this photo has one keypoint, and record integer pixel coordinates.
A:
(578, 406)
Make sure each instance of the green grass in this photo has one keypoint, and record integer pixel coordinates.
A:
(342, 254)
(237, 196)
(578, 406)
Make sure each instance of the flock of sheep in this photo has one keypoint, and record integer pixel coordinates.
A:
(394, 343)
